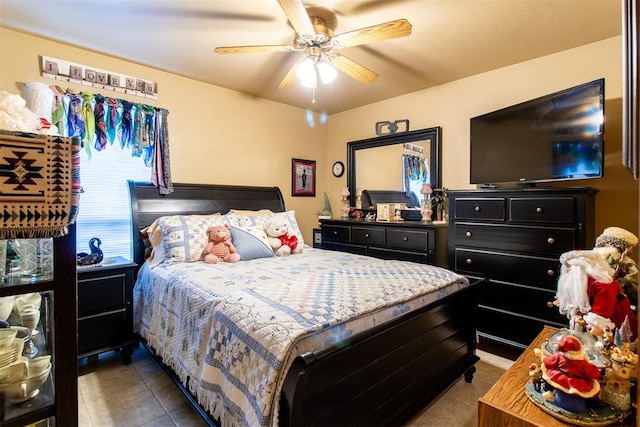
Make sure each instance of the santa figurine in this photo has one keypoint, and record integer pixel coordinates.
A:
(616, 243)
(573, 378)
(587, 289)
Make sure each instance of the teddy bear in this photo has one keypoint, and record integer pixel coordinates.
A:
(220, 247)
(282, 240)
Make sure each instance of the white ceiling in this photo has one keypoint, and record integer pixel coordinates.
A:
(451, 39)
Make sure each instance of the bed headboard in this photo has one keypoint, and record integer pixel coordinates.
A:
(147, 204)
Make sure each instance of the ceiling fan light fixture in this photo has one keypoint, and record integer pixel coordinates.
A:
(306, 72)
(327, 72)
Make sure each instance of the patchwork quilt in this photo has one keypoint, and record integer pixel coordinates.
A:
(230, 331)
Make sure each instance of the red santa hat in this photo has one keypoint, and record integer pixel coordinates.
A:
(571, 347)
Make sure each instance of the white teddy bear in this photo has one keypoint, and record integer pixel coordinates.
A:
(282, 241)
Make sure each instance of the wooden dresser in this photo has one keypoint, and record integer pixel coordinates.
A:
(514, 238)
(407, 241)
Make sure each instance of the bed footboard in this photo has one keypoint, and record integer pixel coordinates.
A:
(385, 376)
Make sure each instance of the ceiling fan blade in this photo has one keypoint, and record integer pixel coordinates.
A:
(386, 31)
(247, 49)
(297, 15)
(353, 69)
(290, 78)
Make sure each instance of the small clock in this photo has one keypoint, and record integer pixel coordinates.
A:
(338, 169)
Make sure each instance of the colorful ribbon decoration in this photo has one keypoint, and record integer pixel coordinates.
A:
(89, 121)
(113, 119)
(97, 119)
(101, 127)
(75, 122)
(126, 124)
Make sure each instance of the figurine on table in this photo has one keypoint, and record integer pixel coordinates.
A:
(588, 289)
(616, 244)
(573, 378)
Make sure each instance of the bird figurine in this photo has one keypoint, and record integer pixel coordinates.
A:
(94, 257)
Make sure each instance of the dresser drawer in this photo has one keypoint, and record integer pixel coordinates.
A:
(480, 208)
(560, 210)
(101, 293)
(528, 270)
(412, 240)
(524, 300)
(368, 236)
(103, 331)
(520, 330)
(419, 257)
(336, 233)
(542, 240)
(343, 247)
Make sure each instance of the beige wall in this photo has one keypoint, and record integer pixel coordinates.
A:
(253, 140)
(451, 105)
(216, 135)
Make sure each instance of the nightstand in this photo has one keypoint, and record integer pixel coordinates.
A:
(317, 238)
(105, 304)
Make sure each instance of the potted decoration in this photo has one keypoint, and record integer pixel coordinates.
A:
(325, 209)
(440, 203)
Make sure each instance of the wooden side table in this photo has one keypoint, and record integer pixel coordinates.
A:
(105, 308)
(506, 404)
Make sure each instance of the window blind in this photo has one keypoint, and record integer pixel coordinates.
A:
(104, 210)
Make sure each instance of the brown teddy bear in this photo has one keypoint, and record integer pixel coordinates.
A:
(220, 247)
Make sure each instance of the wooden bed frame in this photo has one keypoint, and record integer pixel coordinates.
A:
(383, 376)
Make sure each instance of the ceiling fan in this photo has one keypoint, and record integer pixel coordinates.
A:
(314, 36)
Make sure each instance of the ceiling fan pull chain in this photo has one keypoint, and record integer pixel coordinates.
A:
(313, 99)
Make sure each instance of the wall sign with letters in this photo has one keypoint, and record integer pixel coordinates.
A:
(60, 69)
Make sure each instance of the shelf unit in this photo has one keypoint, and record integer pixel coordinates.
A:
(58, 397)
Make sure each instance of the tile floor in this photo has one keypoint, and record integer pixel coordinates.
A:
(141, 394)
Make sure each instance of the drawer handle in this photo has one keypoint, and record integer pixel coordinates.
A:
(551, 273)
(551, 240)
(366, 235)
(335, 233)
(405, 238)
(468, 234)
(469, 261)
(539, 210)
(477, 209)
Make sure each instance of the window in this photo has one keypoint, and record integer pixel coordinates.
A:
(104, 204)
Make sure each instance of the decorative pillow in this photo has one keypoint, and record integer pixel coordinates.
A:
(251, 242)
(152, 239)
(244, 221)
(184, 237)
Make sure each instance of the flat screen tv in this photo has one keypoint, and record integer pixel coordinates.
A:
(556, 137)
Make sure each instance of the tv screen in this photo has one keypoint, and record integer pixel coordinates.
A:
(556, 137)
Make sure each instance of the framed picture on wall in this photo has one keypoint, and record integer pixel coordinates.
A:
(303, 177)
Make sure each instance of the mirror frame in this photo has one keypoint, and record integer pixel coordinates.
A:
(433, 134)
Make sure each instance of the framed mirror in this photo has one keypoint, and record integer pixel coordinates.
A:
(377, 163)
